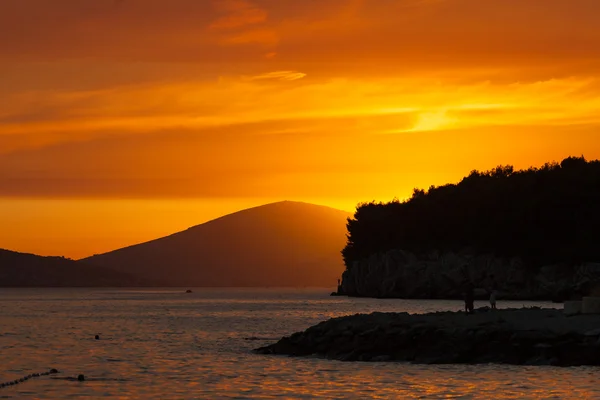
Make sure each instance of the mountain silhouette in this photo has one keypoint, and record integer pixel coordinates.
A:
(279, 244)
(30, 270)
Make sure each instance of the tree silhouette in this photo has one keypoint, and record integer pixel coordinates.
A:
(543, 215)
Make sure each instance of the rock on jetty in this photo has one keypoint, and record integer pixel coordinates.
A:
(528, 336)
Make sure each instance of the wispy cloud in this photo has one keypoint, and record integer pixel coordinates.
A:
(279, 75)
(262, 36)
(237, 14)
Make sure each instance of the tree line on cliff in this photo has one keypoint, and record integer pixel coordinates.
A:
(543, 215)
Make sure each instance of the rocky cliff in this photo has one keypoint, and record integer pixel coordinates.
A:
(401, 274)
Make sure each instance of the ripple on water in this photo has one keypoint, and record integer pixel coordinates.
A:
(161, 344)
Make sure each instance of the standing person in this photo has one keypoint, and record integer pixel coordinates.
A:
(469, 297)
(493, 291)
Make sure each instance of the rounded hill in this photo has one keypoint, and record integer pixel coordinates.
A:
(279, 244)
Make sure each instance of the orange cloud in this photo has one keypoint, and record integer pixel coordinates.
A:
(238, 13)
(283, 95)
(280, 75)
(344, 35)
(267, 37)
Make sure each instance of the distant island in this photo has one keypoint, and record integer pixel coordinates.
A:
(537, 231)
(30, 270)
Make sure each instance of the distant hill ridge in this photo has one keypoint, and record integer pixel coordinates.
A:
(279, 244)
(30, 270)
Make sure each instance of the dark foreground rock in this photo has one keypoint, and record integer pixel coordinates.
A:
(523, 336)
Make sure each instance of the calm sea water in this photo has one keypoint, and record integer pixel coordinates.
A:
(166, 344)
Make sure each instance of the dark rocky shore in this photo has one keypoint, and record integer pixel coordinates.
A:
(528, 336)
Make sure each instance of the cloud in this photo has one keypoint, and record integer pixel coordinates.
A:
(238, 162)
(238, 13)
(346, 36)
(279, 75)
(153, 75)
(48, 115)
(244, 23)
(266, 37)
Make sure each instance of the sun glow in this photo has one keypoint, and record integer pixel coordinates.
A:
(432, 121)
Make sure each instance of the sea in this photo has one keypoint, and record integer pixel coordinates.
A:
(169, 344)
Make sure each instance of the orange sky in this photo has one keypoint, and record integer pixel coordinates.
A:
(124, 120)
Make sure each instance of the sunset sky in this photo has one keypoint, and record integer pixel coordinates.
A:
(125, 120)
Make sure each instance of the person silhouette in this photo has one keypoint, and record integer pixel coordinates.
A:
(469, 290)
(493, 288)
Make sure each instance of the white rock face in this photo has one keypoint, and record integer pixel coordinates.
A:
(591, 305)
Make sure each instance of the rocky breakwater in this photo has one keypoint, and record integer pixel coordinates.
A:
(511, 336)
(401, 274)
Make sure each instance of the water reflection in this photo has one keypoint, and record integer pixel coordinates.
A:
(160, 345)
